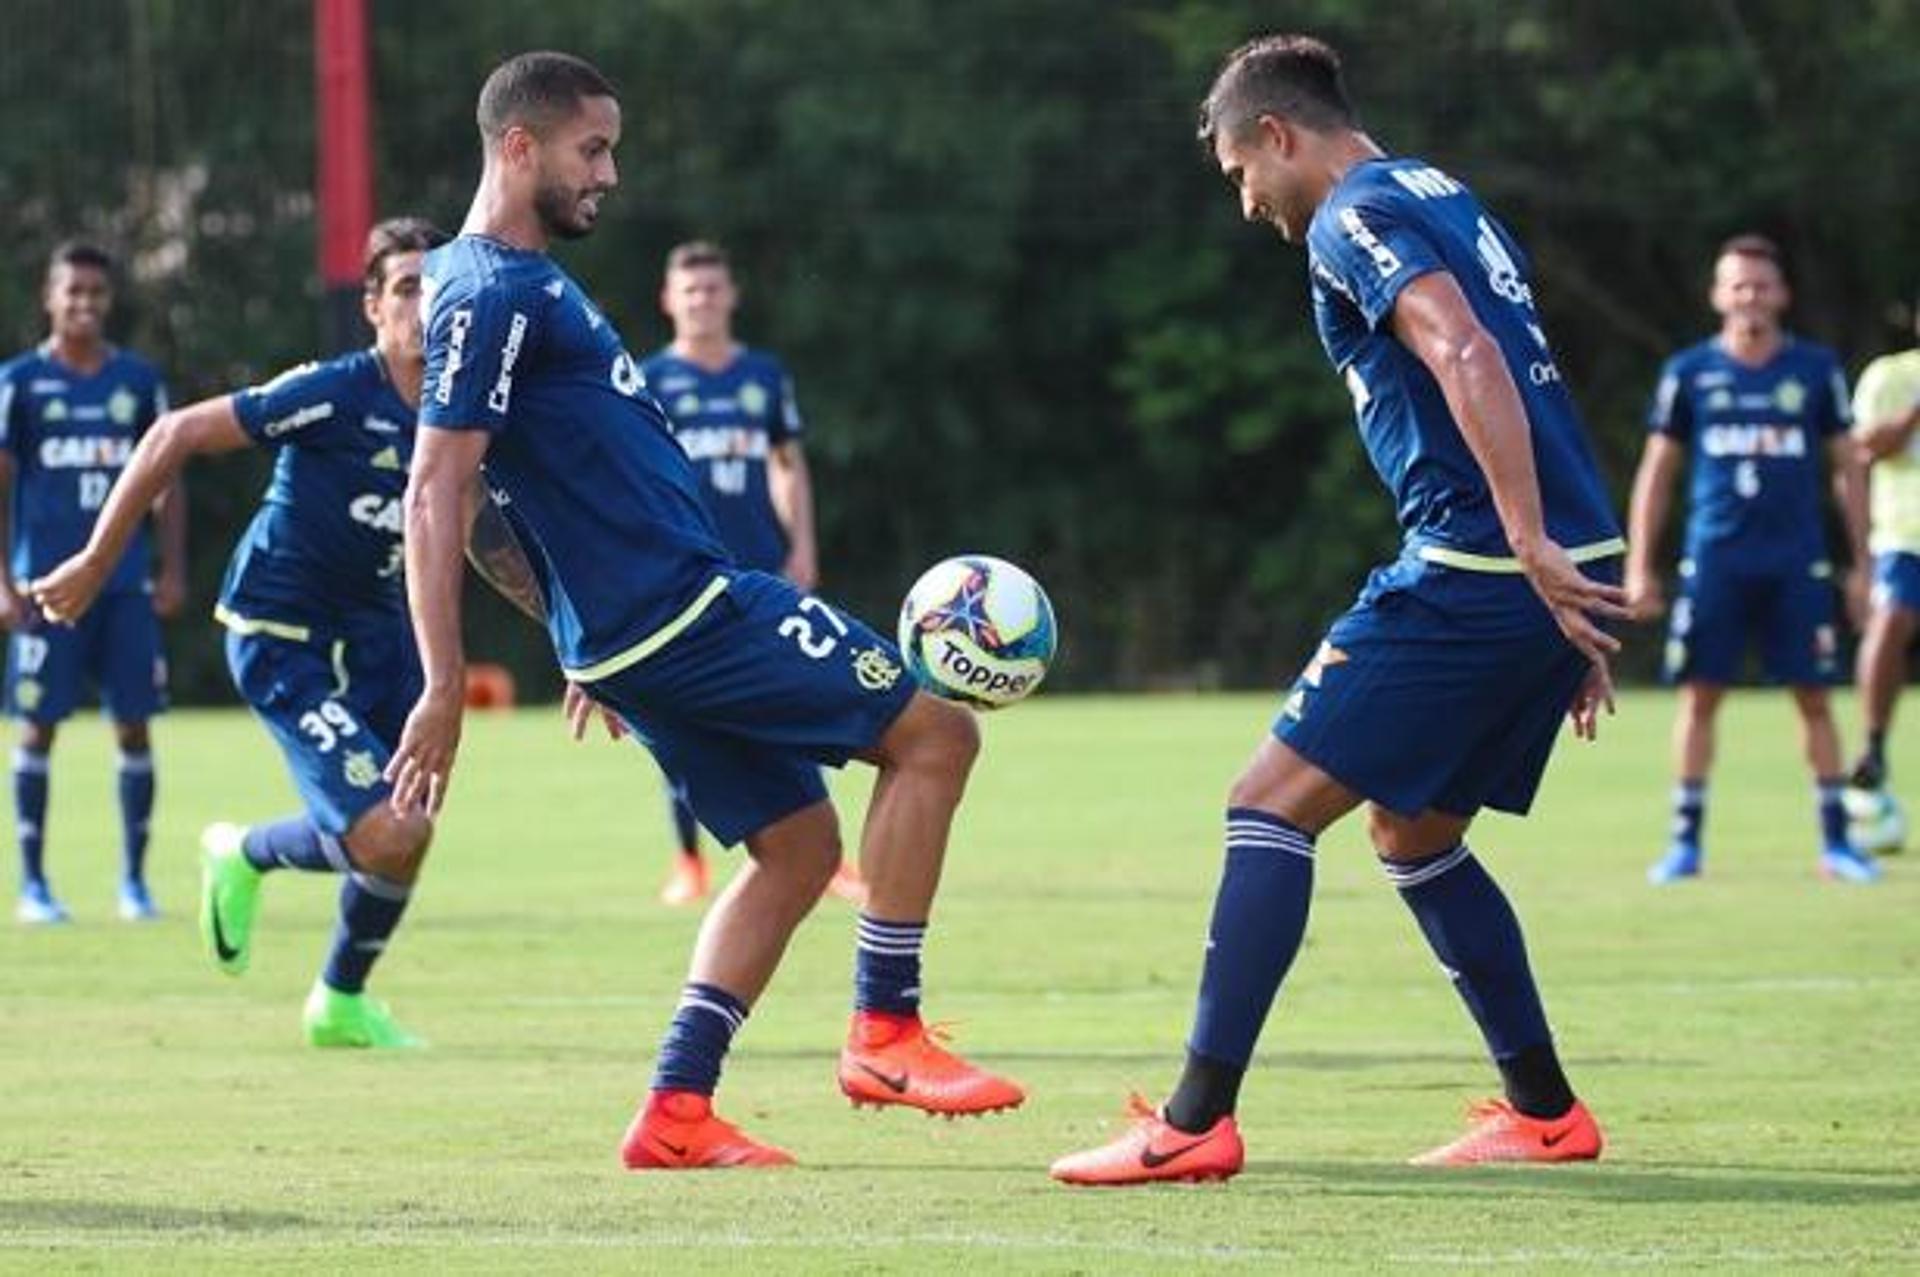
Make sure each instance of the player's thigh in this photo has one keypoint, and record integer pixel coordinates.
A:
(736, 786)
(45, 672)
(1800, 637)
(379, 670)
(1502, 766)
(1280, 781)
(771, 665)
(1896, 586)
(1708, 627)
(333, 754)
(126, 658)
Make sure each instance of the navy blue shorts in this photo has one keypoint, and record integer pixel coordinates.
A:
(1721, 613)
(1896, 580)
(1440, 689)
(335, 704)
(115, 647)
(747, 705)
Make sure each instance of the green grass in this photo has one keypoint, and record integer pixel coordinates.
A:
(1750, 1041)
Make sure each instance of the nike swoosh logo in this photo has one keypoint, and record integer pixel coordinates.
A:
(677, 1150)
(1548, 1141)
(898, 1085)
(1153, 1159)
(226, 952)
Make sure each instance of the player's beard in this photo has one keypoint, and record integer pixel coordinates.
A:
(558, 208)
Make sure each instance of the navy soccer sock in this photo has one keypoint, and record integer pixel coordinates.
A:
(30, 811)
(1689, 811)
(697, 1041)
(136, 811)
(1259, 920)
(1475, 935)
(294, 843)
(886, 967)
(370, 908)
(1833, 814)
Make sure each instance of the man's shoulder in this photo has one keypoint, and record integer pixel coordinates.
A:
(1694, 357)
(1812, 354)
(468, 266)
(127, 363)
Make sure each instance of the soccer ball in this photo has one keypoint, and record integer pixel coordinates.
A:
(1876, 823)
(977, 630)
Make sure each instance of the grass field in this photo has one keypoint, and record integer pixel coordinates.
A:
(1750, 1041)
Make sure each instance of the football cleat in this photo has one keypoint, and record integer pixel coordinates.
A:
(1501, 1133)
(136, 902)
(687, 884)
(1842, 863)
(1152, 1151)
(229, 897)
(332, 1018)
(38, 908)
(1868, 773)
(677, 1131)
(848, 884)
(1681, 861)
(895, 1059)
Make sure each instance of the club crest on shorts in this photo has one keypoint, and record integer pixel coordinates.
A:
(359, 769)
(876, 671)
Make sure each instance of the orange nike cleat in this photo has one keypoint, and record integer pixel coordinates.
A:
(848, 884)
(1502, 1133)
(1152, 1151)
(687, 884)
(677, 1131)
(895, 1059)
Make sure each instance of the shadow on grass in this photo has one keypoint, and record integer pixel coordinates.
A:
(112, 1216)
(1626, 1183)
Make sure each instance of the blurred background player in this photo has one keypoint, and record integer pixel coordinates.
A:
(734, 412)
(71, 411)
(317, 635)
(1754, 407)
(1441, 690)
(740, 685)
(1886, 409)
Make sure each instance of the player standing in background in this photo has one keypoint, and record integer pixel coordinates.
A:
(735, 414)
(741, 685)
(1441, 690)
(317, 634)
(71, 411)
(1886, 410)
(1754, 407)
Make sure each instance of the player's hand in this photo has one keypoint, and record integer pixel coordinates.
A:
(1646, 600)
(1859, 596)
(580, 707)
(65, 594)
(1595, 694)
(169, 595)
(1575, 599)
(422, 764)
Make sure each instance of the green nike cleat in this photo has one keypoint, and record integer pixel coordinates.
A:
(229, 897)
(333, 1018)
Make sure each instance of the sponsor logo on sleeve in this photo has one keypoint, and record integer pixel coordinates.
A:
(502, 392)
(457, 325)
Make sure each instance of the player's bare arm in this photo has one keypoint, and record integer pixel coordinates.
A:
(1885, 437)
(1660, 464)
(153, 471)
(790, 488)
(170, 516)
(446, 464)
(1432, 319)
(1850, 491)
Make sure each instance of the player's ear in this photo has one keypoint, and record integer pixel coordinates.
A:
(370, 306)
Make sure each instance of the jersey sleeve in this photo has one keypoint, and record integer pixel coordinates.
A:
(786, 423)
(475, 340)
(1371, 251)
(1671, 412)
(1833, 411)
(294, 407)
(13, 413)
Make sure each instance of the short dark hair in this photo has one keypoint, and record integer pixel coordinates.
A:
(698, 252)
(537, 90)
(1750, 245)
(396, 235)
(1295, 76)
(79, 252)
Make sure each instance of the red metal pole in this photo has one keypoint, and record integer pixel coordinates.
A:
(344, 160)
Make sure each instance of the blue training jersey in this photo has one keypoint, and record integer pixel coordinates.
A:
(1388, 222)
(728, 422)
(617, 530)
(1755, 436)
(323, 551)
(70, 435)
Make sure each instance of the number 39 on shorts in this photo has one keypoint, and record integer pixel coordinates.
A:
(814, 627)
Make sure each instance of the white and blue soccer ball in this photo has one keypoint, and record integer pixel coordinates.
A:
(977, 630)
(1876, 822)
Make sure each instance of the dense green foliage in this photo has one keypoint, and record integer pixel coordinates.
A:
(1748, 1040)
(1023, 316)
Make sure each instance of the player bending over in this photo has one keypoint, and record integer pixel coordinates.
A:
(739, 683)
(317, 635)
(1441, 690)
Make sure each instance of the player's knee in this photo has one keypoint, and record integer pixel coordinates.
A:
(390, 845)
(37, 738)
(950, 740)
(133, 737)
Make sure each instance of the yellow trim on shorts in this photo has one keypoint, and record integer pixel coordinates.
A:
(655, 641)
(1467, 561)
(256, 625)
